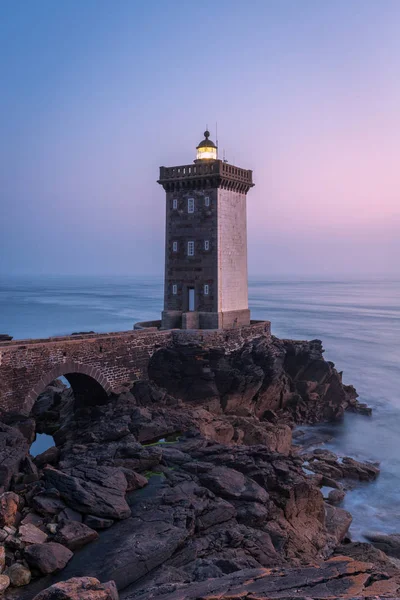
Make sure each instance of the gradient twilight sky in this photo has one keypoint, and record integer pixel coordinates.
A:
(95, 95)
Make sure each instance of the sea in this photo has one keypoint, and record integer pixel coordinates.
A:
(358, 322)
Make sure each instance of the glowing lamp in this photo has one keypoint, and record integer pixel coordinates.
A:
(206, 150)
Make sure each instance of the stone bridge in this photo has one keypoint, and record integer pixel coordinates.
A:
(97, 364)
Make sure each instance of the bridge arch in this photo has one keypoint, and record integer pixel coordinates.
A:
(87, 383)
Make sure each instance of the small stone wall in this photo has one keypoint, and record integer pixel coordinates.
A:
(229, 339)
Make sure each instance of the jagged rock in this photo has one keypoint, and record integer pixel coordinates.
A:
(4, 583)
(277, 438)
(19, 575)
(364, 471)
(30, 534)
(75, 535)
(327, 463)
(99, 491)
(80, 588)
(48, 504)
(389, 543)
(47, 558)
(9, 504)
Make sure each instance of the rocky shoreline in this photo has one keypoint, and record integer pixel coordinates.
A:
(187, 485)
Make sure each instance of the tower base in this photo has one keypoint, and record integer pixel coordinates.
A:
(173, 319)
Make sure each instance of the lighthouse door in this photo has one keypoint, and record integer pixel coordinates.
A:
(191, 299)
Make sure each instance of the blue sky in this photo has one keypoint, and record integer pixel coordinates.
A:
(96, 95)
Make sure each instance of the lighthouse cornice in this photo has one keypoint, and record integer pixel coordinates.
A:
(213, 173)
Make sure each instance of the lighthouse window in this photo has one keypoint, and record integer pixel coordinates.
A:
(175, 246)
(190, 205)
(206, 289)
(174, 289)
(207, 201)
(175, 203)
(190, 248)
(206, 244)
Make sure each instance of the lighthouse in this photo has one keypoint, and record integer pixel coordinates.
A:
(206, 242)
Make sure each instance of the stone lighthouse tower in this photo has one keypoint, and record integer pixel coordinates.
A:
(205, 243)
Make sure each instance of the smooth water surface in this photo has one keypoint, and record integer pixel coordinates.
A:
(358, 322)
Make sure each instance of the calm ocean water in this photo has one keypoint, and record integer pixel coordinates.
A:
(358, 322)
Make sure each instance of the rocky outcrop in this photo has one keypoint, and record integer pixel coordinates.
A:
(328, 464)
(262, 376)
(338, 577)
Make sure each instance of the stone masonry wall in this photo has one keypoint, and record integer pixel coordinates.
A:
(232, 251)
(113, 360)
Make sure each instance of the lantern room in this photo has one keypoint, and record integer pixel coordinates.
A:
(206, 150)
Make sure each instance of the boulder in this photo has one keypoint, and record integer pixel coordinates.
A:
(79, 588)
(229, 483)
(47, 558)
(99, 491)
(19, 575)
(9, 503)
(74, 535)
(30, 534)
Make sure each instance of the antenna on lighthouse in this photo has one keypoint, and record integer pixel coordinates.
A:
(216, 134)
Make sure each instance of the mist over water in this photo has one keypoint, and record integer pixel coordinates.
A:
(358, 322)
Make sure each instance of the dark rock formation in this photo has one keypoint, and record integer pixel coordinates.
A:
(262, 376)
